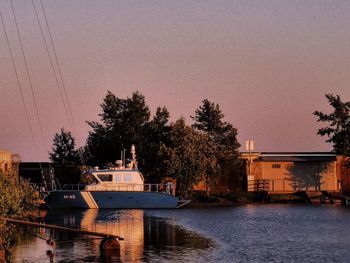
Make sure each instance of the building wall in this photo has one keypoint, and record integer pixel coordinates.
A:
(290, 176)
(293, 176)
(5, 161)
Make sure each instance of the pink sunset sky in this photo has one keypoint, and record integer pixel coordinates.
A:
(268, 64)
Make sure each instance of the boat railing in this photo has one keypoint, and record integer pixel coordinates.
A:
(161, 188)
(74, 187)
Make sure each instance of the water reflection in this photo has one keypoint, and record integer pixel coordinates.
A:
(145, 237)
(262, 233)
(127, 224)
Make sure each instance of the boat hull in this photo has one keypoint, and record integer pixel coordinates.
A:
(110, 199)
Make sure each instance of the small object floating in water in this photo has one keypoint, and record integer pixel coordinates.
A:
(51, 243)
(109, 243)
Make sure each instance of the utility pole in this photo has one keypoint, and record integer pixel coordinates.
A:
(250, 146)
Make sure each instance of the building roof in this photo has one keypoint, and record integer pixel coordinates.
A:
(297, 157)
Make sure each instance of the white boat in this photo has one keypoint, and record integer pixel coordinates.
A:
(116, 187)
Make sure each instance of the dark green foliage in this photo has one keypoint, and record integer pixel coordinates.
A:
(208, 118)
(338, 131)
(16, 197)
(63, 150)
(155, 133)
(125, 122)
(188, 156)
(101, 146)
(178, 151)
(223, 137)
(122, 125)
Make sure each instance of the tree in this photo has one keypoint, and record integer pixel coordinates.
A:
(155, 133)
(101, 145)
(209, 120)
(122, 122)
(187, 157)
(63, 150)
(338, 131)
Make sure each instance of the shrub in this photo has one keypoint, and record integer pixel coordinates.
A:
(16, 197)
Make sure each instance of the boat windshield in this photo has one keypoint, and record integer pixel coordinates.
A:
(90, 179)
(105, 177)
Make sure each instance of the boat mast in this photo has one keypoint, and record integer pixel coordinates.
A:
(133, 154)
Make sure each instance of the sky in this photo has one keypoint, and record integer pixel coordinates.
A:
(268, 64)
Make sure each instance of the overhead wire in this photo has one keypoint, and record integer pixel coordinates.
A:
(70, 113)
(29, 77)
(58, 65)
(18, 81)
(63, 92)
(52, 65)
(20, 89)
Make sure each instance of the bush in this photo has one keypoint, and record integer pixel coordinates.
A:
(16, 198)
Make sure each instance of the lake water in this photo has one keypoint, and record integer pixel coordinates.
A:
(251, 233)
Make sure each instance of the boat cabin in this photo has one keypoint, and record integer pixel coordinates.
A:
(116, 180)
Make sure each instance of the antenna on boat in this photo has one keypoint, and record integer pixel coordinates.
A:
(122, 158)
(133, 154)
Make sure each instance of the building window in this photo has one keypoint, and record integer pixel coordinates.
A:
(276, 166)
(6, 167)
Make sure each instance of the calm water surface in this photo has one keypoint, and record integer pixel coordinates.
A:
(253, 233)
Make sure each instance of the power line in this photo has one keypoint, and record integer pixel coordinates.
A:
(70, 113)
(18, 81)
(58, 67)
(52, 65)
(28, 75)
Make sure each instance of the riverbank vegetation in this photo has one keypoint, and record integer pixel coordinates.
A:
(17, 199)
(206, 151)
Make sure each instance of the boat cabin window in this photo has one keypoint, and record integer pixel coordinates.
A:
(117, 178)
(105, 177)
(127, 178)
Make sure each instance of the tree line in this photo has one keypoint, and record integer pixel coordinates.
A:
(206, 151)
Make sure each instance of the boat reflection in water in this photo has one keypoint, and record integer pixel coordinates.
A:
(126, 224)
(146, 238)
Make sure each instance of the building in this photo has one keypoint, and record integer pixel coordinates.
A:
(9, 162)
(36, 172)
(289, 172)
